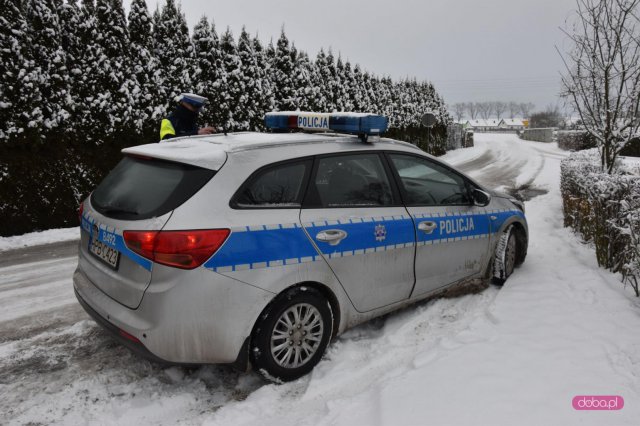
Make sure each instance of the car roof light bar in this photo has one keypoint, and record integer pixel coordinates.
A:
(360, 124)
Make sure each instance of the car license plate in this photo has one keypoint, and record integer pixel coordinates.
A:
(107, 254)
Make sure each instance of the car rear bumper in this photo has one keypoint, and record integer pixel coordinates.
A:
(193, 322)
(136, 346)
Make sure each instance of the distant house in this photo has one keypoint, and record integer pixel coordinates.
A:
(511, 124)
(482, 125)
(495, 124)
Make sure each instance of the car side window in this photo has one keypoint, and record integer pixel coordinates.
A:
(278, 186)
(356, 180)
(429, 184)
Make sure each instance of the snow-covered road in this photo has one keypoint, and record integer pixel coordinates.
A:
(560, 327)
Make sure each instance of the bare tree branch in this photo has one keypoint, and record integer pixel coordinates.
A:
(602, 72)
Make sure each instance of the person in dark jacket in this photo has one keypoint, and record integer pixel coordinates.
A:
(182, 121)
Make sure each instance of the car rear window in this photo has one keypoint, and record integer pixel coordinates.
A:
(140, 188)
(275, 186)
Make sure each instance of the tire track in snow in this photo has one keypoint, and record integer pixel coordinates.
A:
(501, 166)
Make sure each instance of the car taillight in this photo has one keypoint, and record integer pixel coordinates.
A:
(180, 249)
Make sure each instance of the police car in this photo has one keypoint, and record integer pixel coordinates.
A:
(259, 248)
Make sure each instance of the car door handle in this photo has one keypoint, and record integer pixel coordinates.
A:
(427, 227)
(331, 236)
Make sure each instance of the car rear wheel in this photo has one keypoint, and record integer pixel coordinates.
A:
(292, 335)
(505, 257)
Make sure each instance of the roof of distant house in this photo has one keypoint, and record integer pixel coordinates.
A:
(481, 122)
(512, 121)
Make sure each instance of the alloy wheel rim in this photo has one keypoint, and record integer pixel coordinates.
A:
(296, 335)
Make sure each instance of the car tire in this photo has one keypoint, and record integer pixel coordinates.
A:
(291, 335)
(505, 256)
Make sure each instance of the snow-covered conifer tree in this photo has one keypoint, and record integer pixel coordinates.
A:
(87, 91)
(282, 75)
(330, 76)
(50, 61)
(265, 100)
(361, 99)
(209, 76)
(376, 94)
(340, 88)
(389, 101)
(20, 112)
(145, 99)
(407, 108)
(70, 23)
(351, 89)
(172, 47)
(114, 68)
(248, 114)
(234, 82)
(320, 75)
(306, 92)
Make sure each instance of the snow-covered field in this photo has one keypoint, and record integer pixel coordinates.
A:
(560, 327)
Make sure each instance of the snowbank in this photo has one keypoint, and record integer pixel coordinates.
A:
(39, 238)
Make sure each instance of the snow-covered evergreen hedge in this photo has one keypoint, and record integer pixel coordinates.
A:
(79, 81)
(70, 68)
(605, 209)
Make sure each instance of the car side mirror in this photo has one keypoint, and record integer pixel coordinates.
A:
(480, 198)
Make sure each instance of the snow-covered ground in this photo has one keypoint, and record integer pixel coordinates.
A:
(560, 327)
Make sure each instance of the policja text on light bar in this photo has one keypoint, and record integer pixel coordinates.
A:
(361, 124)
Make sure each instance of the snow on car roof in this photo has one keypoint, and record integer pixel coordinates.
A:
(189, 151)
(210, 151)
(247, 140)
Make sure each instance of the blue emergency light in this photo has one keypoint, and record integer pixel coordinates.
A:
(361, 124)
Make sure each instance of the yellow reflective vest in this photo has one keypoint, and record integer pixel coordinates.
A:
(166, 129)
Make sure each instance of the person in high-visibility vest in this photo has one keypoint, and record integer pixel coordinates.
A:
(182, 121)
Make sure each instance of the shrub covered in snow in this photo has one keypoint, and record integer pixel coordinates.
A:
(575, 140)
(632, 149)
(604, 209)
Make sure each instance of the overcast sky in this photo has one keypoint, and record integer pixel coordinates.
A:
(472, 50)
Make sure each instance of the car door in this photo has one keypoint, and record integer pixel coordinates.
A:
(452, 234)
(354, 216)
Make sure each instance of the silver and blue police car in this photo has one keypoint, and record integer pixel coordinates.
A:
(256, 249)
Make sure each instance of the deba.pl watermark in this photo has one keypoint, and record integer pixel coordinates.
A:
(598, 402)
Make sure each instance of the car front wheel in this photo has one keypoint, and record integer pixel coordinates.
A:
(292, 335)
(505, 256)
